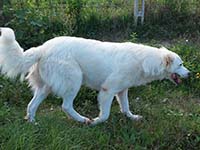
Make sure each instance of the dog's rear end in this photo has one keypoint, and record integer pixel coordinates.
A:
(62, 77)
(15, 62)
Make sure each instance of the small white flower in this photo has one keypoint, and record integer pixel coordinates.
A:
(51, 108)
(165, 100)
(137, 99)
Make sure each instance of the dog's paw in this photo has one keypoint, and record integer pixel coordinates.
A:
(88, 121)
(29, 119)
(136, 117)
(96, 121)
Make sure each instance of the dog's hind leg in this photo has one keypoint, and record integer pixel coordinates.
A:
(65, 79)
(68, 99)
(105, 99)
(73, 83)
(68, 108)
(39, 95)
(122, 98)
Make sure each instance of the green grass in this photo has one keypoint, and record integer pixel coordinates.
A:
(100, 19)
(171, 116)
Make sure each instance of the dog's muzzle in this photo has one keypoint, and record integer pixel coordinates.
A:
(176, 78)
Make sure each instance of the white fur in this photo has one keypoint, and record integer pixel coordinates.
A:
(61, 65)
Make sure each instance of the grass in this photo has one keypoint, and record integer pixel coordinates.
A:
(171, 116)
(106, 20)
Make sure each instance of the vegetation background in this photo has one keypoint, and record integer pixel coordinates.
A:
(171, 113)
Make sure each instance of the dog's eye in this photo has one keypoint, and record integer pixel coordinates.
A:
(181, 65)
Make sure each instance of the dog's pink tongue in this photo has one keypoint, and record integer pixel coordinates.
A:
(173, 76)
(178, 80)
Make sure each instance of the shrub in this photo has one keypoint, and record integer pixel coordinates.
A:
(35, 24)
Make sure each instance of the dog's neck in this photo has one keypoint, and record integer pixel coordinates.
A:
(144, 79)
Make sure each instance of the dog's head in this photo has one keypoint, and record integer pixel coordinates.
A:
(166, 64)
(175, 68)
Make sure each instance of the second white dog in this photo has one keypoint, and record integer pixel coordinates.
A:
(61, 65)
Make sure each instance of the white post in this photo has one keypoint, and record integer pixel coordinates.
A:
(138, 13)
(142, 15)
(1, 13)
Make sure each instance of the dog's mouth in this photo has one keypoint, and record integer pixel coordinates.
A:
(175, 78)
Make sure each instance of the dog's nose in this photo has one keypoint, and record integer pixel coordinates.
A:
(189, 74)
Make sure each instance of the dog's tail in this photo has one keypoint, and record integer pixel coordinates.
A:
(13, 60)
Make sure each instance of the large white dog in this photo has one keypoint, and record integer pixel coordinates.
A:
(61, 65)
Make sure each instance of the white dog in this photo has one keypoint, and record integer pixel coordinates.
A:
(61, 65)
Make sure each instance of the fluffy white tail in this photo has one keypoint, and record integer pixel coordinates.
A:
(13, 60)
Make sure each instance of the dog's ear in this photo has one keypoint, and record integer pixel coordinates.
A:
(168, 60)
(152, 66)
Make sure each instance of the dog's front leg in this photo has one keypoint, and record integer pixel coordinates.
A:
(105, 99)
(122, 98)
